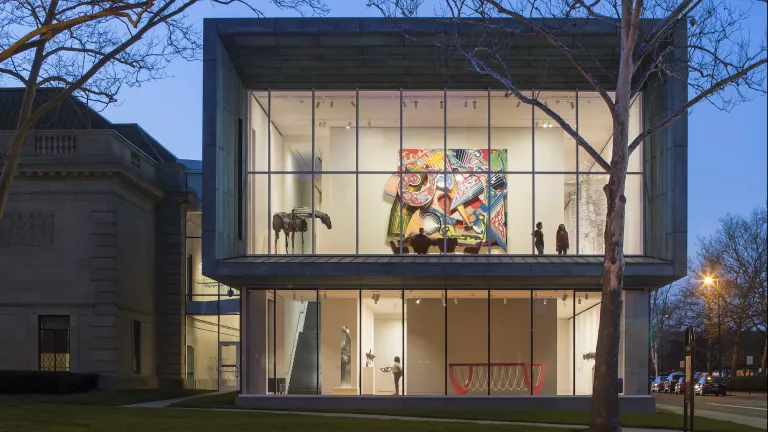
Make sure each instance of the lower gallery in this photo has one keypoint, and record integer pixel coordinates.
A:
(472, 348)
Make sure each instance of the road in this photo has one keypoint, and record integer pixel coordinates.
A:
(742, 405)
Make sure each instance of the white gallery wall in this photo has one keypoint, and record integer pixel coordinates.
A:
(587, 324)
(336, 313)
(388, 343)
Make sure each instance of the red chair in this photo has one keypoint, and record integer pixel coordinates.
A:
(421, 245)
(473, 250)
(451, 243)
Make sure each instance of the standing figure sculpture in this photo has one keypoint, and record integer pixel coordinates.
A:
(346, 357)
(293, 222)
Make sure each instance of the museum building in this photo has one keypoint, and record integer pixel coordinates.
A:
(395, 223)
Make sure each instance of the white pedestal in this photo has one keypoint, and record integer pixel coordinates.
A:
(369, 381)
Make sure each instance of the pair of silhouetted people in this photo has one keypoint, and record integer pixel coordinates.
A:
(561, 239)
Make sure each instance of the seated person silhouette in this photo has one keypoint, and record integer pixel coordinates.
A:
(421, 243)
(420, 234)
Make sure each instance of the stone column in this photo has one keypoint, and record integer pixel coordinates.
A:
(636, 342)
(253, 339)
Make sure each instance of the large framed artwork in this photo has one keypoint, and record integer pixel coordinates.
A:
(464, 203)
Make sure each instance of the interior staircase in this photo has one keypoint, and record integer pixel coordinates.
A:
(304, 379)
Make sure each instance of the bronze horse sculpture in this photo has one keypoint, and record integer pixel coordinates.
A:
(293, 222)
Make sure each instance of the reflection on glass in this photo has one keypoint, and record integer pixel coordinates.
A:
(425, 342)
(291, 115)
(379, 130)
(510, 344)
(339, 342)
(596, 127)
(296, 347)
(381, 324)
(587, 322)
(259, 222)
(593, 207)
(552, 342)
(468, 371)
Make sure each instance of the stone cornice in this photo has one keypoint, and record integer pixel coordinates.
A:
(119, 172)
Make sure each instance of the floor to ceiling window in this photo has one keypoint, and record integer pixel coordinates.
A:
(475, 172)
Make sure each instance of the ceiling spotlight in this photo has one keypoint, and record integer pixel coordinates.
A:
(573, 105)
(404, 105)
(474, 104)
(325, 295)
(302, 299)
(586, 296)
(565, 296)
(352, 103)
(442, 297)
(505, 301)
(465, 103)
(294, 295)
(373, 296)
(518, 104)
(557, 101)
(418, 301)
(331, 104)
(416, 104)
(455, 300)
(579, 301)
(545, 301)
(441, 104)
(317, 104)
(349, 124)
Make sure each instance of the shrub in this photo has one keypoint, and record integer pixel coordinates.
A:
(749, 383)
(24, 382)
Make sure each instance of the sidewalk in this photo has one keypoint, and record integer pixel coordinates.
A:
(421, 419)
(755, 422)
(165, 403)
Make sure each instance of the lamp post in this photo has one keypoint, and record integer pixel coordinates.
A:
(716, 281)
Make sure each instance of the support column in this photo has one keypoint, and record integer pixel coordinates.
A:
(636, 342)
(253, 339)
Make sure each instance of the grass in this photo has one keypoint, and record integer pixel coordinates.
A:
(659, 420)
(101, 411)
(102, 398)
(62, 417)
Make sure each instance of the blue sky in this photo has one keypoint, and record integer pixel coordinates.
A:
(727, 151)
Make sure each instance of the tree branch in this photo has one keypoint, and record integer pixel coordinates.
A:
(684, 109)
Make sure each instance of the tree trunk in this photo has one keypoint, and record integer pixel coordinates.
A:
(710, 363)
(765, 355)
(736, 353)
(655, 358)
(605, 395)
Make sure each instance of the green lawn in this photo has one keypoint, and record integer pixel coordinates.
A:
(62, 417)
(660, 420)
(124, 397)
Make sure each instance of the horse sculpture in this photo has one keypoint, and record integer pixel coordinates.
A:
(293, 222)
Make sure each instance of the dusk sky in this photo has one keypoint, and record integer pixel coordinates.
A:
(726, 158)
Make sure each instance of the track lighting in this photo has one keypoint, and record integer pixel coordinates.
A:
(349, 124)
(418, 301)
(325, 295)
(455, 301)
(586, 296)
(565, 296)
(442, 294)
(352, 103)
(545, 301)
(317, 104)
(404, 105)
(416, 104)
(505, 301)
(294, 295)
(331, 104)
(579, 301)
(465, 103)
(441, 104)
(518, 104)
(573, 105)
(474, 104)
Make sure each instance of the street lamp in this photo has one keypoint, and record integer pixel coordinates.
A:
(710, 281)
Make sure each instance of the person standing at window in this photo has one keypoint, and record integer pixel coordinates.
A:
(562, 240)
(538, 238)
(397, 372)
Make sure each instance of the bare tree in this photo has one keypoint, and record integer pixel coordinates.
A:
(700, 44)
(92, 49)
(738, 254)
(663, 302)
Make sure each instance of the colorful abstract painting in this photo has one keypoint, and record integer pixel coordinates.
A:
(464, 203)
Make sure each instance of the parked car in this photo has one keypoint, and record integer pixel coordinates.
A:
(709, 385)
(672, 380)
(658, 385)
(680, 387)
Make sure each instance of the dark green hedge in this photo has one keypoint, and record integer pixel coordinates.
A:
(23, 382)
(749, 383)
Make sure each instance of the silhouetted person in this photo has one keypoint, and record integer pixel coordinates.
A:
(420, 234)
(561, 240)
(538, 238)
(397, 369)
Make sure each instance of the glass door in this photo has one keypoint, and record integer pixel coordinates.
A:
(229, 366)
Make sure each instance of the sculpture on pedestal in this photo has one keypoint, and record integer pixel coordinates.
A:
(293, 222)
(346, 357)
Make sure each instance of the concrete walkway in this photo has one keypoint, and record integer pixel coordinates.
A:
(419, 419)
(755, 422)
(167, 402)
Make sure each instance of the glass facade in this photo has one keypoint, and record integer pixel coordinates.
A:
(362, 172)
(462, 342)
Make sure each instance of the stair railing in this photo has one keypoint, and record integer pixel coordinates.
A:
(299, 327)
